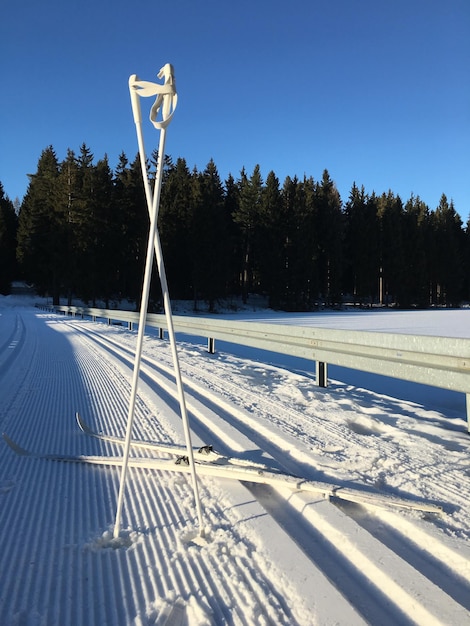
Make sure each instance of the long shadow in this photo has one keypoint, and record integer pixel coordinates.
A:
(424, 562)
(280, 460)
(429, 396)
(368, 600)
(50, 509)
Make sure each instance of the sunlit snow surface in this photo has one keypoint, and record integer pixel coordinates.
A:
(270, 557)
(434, 322)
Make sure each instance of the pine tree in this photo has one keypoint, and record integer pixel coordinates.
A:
(392, 260)
(247, 216)
(448, 254)
(271, 257)
(361, 247)
(295, 246)
(414, 285)
(330, 226)
(466, 263)
(132, 225)
(105, 236)
(68, 199)
(42, 237)
(233, 242)
(8, 228)
(83, 274)
(175, 222)
(208, 236)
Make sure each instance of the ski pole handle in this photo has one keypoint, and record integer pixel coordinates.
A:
(165, 102)
(135, 102)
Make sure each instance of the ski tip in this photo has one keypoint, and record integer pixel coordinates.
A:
(14, 446)
(81, 423)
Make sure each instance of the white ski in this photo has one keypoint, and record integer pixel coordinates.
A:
(247, 474)
(203, 454)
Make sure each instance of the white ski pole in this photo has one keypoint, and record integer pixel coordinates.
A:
(166, 101)
(168, 107)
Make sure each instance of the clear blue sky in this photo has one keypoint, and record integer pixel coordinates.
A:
(375, 91)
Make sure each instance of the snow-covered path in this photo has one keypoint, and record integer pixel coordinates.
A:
(272, 556)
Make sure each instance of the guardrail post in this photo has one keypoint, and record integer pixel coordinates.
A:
(129, 325)
(322, 374)
(468, 413)
(160, 333)
(211, 345)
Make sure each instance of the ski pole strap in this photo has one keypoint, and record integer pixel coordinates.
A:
(167, 97)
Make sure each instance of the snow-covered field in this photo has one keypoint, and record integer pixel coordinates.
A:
(271, 556)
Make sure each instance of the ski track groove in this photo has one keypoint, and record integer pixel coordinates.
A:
(11, 347)
(99, 367)
(15, 378)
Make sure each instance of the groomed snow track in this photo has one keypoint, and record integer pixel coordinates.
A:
(271, 556)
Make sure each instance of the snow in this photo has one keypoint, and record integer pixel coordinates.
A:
(271, 556)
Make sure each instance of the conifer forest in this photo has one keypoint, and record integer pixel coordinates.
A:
(81, 232)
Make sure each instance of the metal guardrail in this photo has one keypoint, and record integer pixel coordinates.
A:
(437, 361)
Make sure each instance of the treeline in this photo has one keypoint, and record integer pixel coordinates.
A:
(81, 231)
